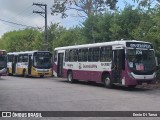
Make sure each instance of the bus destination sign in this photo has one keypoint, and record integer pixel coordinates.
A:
(139, 45)
(42, 53)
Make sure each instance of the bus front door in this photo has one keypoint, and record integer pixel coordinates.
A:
(118, 64)
(29, 65)
(60, 65)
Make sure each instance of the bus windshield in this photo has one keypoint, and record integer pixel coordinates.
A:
(43, 60)
(141, 60)
(3, 62)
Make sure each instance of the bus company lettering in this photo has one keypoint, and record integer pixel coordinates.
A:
(89, 66)
(80, 66)
(70, 65)
(105, 64)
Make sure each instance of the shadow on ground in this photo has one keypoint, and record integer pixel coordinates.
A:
(90, 83)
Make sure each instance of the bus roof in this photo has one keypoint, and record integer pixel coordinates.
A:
(118, 42)
(3, 50)
(25, 52)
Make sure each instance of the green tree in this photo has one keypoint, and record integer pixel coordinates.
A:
(83, 7)
(127, 21)
(97, 28)
(69, 37)
(22, 40)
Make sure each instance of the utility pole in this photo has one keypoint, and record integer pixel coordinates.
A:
(44, 7)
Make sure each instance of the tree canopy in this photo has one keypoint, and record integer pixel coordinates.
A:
(84, 8)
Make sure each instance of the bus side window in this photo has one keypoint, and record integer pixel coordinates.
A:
(80, 54)
(67, 55)
(83, 54)
(55, 56)
(105, 54)
(25, 58)
(9, 58)
(89, 55)
(93, 55)
(73, 55)
(20, 58)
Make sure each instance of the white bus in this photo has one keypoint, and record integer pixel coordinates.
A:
(3, 63)
(128, 63)
(30, 63)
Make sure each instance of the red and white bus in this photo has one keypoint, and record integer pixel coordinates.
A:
(128, 63)
(3, 63)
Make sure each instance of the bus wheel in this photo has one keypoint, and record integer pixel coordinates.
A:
(107, 81)
(70, 77)
(24, 73)
(41, 76)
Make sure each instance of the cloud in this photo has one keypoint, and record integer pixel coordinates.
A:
(21, 12)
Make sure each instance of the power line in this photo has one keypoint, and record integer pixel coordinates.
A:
(16, 23)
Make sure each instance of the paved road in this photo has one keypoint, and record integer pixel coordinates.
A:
(53, 94)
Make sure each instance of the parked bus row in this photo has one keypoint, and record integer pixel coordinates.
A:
(127, 63)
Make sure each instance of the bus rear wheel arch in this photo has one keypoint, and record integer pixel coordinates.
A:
(41, 76)
(70, 76)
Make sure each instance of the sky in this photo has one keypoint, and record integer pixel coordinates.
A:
(21, 12)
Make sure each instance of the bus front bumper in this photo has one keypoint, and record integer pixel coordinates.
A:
(133, 79)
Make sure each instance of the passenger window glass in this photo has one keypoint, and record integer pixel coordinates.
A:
(73, 55)
(67, 55)
(93, 55)
(83, 55)
(105, 54)
(55, 56)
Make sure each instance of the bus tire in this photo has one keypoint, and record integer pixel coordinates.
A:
(41, 76)
(25, 73)
(70, 77)
(107, 81)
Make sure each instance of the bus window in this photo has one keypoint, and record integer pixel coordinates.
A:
(67, 55)
(105, 54)
(42, 61)
(2, 61)
(20, 58)
(10, 58)
(93, 55)
(55, 56)
(83, 55)
(25, 58)
(73, 55)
